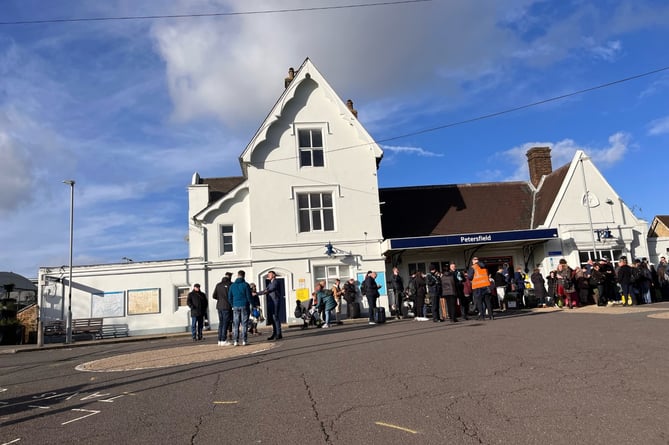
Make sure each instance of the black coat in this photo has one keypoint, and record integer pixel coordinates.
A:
(197, 302)
(371, 288)
(221, 295)
(421, 288)
(539, 285)
(449, 284)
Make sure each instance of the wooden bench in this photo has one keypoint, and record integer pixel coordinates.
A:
(87, 326)
(115, 331)
(54, 327)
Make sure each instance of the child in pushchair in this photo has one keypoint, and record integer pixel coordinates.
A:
(308, 312)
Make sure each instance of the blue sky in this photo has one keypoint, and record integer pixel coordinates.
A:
(130, 109)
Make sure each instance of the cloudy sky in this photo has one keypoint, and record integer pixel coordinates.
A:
(130, 109)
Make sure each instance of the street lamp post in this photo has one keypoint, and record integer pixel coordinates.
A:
(587, 205)
(68, 335)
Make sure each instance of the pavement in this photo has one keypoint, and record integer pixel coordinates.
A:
(658, 311)
(210, 338)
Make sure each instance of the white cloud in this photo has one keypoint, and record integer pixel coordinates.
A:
(659, 126)
(410, 151)
(608, 51)
(563, 151)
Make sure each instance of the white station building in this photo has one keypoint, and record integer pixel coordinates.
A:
(309, 180)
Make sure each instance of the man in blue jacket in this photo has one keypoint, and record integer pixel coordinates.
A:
(239, 296)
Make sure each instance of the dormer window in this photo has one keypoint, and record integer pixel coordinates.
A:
(310, 142)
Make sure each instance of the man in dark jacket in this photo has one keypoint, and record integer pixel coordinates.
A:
(274, 305)
(224, 308)
(397, 285)
(451, 288)
(197, 302)
(433, 280)
(371, 292)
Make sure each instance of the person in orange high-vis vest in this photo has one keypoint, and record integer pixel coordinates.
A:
(478, 274)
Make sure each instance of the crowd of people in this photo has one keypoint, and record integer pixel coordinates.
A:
(604, 283)
(449, 293)
(239, 309)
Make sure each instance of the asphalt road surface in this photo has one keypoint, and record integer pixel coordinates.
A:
(583, 376)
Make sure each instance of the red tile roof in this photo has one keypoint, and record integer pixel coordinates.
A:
(467, 208)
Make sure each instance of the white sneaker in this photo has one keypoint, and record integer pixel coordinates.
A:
(371, 322)
(243, 343)
(225, 343)
(325, 325)
(234, 344)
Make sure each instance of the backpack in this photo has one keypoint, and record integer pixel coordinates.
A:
(431, 280)
(636, 275)
(363, 287)
(298, 309)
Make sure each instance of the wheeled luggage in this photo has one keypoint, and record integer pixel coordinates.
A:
(379, 315)
(354, 310)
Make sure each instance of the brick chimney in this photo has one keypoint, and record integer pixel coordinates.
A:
(539, 162)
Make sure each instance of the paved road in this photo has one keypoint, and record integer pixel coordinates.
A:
(591, 375)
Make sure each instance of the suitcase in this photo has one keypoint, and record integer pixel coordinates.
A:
(442, 309)
(354, 310)
(379, 315)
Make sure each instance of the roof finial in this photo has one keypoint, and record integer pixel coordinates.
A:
(291, 76)
(349, 105)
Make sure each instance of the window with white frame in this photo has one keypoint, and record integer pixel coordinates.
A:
(612, 254)
(315, 212)
(310, 143)
(330, 273)
(227, 234)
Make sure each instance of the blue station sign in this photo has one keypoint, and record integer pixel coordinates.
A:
(473, 238)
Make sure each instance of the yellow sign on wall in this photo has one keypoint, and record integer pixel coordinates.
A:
(302, 294)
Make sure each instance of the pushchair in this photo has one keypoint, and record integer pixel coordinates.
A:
(308, 312)
(406, 309)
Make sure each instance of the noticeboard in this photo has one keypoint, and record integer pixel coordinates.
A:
(107, 304)
(144, 301)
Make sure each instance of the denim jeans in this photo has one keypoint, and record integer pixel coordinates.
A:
(223, 321)
(371, 302)
(240, 318)
(327, 316)
(274, 309)
(196, 324)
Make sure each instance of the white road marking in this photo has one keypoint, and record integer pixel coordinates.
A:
(91, 412)
(95, 395)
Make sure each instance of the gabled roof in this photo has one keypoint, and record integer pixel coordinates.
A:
(306, 72)
(455, 208)
(659, 227)
(664, 219)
